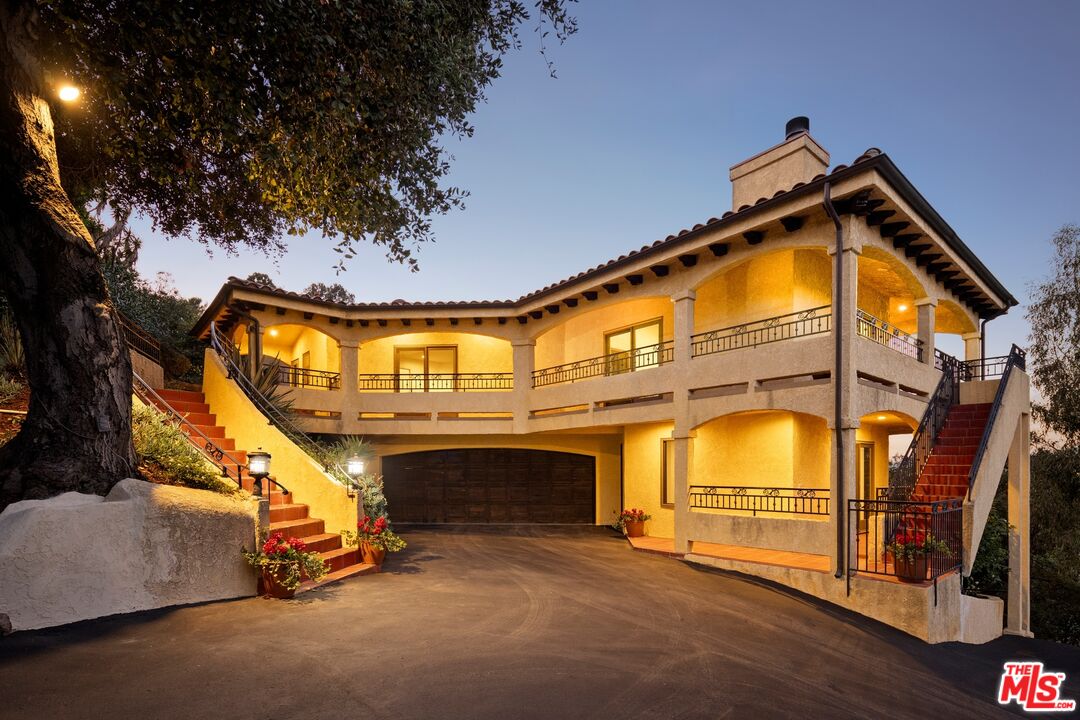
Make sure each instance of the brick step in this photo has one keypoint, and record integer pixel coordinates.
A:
(288, 511)
(936, 480)
(323, 543)
(348, 572)
(184, 408)
(946, 489)
(943, 469)
(972, 407)
(340, 558)
(210, 431)
(299, 528)
(180, 395)
(200, 418)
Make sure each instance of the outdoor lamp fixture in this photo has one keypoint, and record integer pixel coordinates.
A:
(258, 468)
(354, 466)
(68, 92)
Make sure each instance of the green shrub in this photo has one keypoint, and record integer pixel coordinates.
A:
(9, 388)
(167, 456)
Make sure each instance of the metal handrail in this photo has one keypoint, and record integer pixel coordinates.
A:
(307, 377)
(277, 418)
(761, 332)
(138, 339)
(760, 498)
(618, 363)
(1017, 359)
(210, 449)
(436, 382)
(888, 335)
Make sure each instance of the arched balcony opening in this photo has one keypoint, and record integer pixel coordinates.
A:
(887, 303)
(611, 340)
(304, 356)
(436, 362)
(881, 440)
(956, 332)
(771, 462)
(770, 297)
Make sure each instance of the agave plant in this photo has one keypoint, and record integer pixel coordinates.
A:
(264, 378)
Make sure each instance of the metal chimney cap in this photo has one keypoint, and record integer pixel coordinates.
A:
(796, 126)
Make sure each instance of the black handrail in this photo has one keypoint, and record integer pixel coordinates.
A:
(210, 449)
(306, 377)
(277, 418)
(762, 332)
(946, 394)
(138, 339)
(436, 382)
(759, 498)
(888, 335)
(1017, 359)
(617, 363)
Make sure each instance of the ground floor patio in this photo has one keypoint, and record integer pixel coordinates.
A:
(498, 622)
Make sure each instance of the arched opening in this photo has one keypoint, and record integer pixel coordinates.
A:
(773, 461)
(887, 291)
(610, 340)
(880, 440)
(436, 362)
(951, 323)
(764, 287)
(305, 357)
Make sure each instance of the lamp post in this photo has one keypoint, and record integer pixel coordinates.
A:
(258, 468)
(354, 468)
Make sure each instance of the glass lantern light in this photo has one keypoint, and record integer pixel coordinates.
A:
(258, 468)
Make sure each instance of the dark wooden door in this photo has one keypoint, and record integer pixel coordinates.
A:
(490, 485)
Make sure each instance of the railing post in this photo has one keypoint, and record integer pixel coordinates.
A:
(927, 312)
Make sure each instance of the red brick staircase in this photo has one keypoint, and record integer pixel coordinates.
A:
(286, 515)
(945, 475)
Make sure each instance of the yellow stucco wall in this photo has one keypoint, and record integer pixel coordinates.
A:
(604, 448)
(475, 353)
(293, 341)
(642, 457)
(762, 287)
(879, 436)
(582, 336)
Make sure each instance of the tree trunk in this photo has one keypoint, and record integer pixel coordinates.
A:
(77, 435)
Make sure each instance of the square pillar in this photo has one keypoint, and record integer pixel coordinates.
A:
(842, 486)
(350, 375)
(927, 312)
(684, 323)
(972, 345)
(1019, 620)
(524, 364)
(683, 442)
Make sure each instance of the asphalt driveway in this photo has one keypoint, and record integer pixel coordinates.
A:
(479, 623)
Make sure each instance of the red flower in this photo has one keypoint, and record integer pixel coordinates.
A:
(297, 544)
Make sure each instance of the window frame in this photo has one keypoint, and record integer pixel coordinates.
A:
(667, 448)
(426, 375)
(630, 355)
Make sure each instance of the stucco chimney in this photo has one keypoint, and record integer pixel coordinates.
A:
(797, 159)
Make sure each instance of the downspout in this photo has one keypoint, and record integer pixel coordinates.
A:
(982, 341)
(838, 363)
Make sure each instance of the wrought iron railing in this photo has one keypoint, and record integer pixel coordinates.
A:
(1017, 358)
(947, 393)
(755, 499)
(612, 364)
(276, 417)
(308, 378)
(888, 335)
(993, 367)
(436, 382)
(814, 321)
(876, 524)
(138, 339)
(231, 466)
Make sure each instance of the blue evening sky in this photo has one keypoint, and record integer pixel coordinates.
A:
(977, 102)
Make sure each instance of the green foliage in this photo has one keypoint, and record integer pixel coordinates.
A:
(629, 515)
(12, 358)
(375, 532)
(261, 279)
(1054, 351)
(990, 571)
(909, 545)
(264, 378)
(9, 388)
(238, 123)
(159, 309)
(166, 455)
(334, 292)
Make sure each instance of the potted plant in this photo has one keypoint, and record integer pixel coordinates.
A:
(284, 564)
(911, 550)
(632, 522)
(375, 538)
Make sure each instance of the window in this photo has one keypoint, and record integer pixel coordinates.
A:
(667, 472)
(633, 348)
(426, 368)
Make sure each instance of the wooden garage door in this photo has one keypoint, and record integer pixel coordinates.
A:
(490, 485)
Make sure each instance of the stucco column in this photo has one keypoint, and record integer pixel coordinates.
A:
(683, 447)
(844, 321)
(972, 345)
(684, 324)
(1019, 620)
(927, 313)
(838, 511)
(350, 374)
(524, 364)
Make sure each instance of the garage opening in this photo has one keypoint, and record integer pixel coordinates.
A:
(491, 485)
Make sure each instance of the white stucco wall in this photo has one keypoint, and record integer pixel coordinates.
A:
(76, 557)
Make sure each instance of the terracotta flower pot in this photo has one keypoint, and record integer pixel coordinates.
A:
(273, 587)
(913, 570)
(372, 555)
(634, 528)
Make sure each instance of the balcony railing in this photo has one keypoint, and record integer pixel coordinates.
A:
(612, 364)
(308, 378)
(436, 382)
(877, 524)
(755, 499)
(761, 332)
(888, 335)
